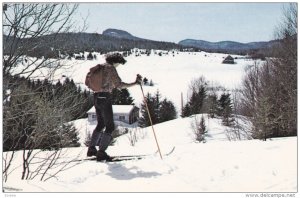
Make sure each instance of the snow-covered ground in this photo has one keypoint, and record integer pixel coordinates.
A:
(219, 165)
(215, 166)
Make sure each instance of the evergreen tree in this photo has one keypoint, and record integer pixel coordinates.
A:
(186, 111)
(70, 133)
(201, 97)
(121, 97)
(157, 104)
(90, 56)
(115, 94)
(125, 97)
(145, 80)
(195, 105)
(225, 109)
(160, 111)
(151, 83)
(265, 122)
(199, 128)
(144, 119)
(222, 103)
(212, 105)
(167, 111)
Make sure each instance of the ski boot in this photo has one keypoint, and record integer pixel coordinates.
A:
(103, 144)
(92, 151)
(102, 156)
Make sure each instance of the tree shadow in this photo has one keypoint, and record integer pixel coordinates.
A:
(120, 172)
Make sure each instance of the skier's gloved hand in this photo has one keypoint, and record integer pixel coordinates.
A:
(138, 79)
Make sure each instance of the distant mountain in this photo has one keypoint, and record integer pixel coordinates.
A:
(222, 46)
(230, 46)
(121, 34)
(118, 40)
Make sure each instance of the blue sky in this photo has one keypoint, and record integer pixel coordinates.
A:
(242, 22)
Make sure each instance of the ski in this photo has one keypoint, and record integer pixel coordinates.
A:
(130, 157)
(120, 158)
(137, 157)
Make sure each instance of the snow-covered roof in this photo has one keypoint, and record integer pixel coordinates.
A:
(116, 109)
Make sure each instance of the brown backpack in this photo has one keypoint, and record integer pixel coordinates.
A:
(93, 79)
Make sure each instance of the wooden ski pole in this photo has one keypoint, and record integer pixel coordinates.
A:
(145, 101)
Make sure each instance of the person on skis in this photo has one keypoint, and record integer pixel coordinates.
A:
(102, 79)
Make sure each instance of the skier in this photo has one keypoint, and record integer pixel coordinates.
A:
(102, 79)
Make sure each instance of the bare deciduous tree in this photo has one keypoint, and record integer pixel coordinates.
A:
(23, 26)
(270, 89)
(32, 117)
(32, 121)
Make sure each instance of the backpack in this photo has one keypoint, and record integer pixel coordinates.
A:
(92, 77)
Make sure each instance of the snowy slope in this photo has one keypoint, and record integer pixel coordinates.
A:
(216, 166)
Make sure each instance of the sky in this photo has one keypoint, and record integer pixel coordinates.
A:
(173, 22)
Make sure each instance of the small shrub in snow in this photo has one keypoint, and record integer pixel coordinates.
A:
(199, 129)
(136, 134)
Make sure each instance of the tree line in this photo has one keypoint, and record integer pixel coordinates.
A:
(205, 100)
(269, 95)
(37, 113)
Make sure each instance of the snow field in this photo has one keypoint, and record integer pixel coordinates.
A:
(170, 74)
(216, 166)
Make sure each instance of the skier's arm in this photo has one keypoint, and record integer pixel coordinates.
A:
(119, 83)
(138, 80)
(125, 85)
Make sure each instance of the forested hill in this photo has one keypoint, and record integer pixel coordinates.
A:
(228, 46)
(49, 45)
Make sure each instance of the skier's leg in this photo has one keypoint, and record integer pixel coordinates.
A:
(99, 128)
(104, 142)
(96, 136)
(109, 128)
(108, 117)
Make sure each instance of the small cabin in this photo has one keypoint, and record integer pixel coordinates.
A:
(228, 60)
(124, 113)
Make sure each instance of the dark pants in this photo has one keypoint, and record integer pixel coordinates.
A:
(104, 112)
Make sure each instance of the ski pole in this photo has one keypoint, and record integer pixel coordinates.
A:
(145, 101)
